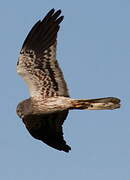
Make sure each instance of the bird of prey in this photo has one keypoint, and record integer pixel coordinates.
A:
(46, 110)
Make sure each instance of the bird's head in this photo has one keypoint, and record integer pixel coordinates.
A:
(24, 108)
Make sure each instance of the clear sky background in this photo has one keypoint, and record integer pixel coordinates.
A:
(94, 53)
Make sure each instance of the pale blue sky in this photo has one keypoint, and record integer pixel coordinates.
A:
(94, 53)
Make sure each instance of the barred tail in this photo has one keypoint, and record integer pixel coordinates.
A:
(97, 104)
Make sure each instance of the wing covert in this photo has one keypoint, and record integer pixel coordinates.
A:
(37, 62)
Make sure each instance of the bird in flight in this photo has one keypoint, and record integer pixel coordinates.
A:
(47, 108)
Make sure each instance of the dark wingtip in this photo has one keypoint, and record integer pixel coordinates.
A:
(66, 148)
(44, 33)
(56, 14)
(60, 19)
(51, 12)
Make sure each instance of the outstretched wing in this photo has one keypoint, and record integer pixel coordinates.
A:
(48, 128)
(37, 63)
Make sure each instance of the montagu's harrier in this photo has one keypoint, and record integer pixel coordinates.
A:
(46, 110)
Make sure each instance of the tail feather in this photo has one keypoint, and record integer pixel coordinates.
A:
(107, 103)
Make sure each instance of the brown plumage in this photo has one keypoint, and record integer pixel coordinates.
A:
(45, 111)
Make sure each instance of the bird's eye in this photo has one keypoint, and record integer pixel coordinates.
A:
(17, 63)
